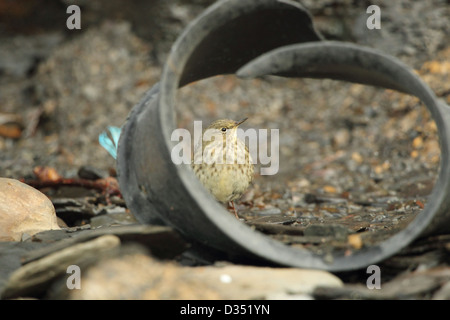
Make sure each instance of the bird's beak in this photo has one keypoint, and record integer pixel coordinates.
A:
(240, 122)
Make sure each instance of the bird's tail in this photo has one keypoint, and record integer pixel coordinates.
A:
(109, 139)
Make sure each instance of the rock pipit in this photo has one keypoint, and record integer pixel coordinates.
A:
(222, 162)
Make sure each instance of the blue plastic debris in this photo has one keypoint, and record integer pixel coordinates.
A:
(109, 139)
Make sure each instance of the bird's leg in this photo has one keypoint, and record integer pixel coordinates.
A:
(231, 204)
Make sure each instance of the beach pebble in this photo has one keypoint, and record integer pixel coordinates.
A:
(24, 211)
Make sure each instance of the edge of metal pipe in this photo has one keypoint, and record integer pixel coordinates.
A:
(254, 38)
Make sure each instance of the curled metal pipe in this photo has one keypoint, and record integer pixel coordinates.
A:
(253, 38)
(353, 63)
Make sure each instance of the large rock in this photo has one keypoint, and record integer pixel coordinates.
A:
(35, 276)
(28, 268)
(137, 275)
(23, 211)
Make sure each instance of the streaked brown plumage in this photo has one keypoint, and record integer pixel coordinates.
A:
(223, 163)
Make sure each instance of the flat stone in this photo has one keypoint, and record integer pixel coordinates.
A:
(119, 216)
(275, 219)
(163, 242)
(138, 276)
(249, 282)
(413, 285)
(268, 228)
(33, 277)
(11, 254)
(23, 211)
(327, 230)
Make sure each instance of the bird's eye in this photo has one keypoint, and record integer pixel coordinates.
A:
(224, 129)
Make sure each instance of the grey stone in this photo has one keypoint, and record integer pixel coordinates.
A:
(327, 230)
(36, 275)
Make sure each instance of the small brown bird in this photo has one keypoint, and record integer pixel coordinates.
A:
(222, 162)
